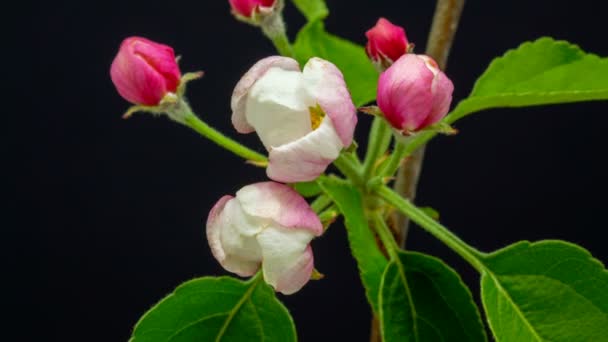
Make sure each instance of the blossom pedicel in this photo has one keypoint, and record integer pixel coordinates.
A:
(386, 43)
(144, 71)
(248, 8)
(304, 118)
(413, 93)
(267, 224)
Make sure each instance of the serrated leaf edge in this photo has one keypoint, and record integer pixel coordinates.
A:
(527, 245)
(254, 283)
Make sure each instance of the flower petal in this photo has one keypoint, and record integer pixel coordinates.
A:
(277, 108)
(325, 84)
(236, 252)
(306, 158)
(288, 259)
(442, 90)
(281, 204)
(404, 92)
(239, 95)
(160, 57)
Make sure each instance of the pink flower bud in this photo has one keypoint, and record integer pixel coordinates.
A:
(143, 71)
(386, 43)
(267, 224)
(247, 8)
(413, 93)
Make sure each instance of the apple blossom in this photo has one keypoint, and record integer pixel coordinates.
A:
(303, 118)
(413, 93)
(386, 42)
(144, 72)
(267, 224)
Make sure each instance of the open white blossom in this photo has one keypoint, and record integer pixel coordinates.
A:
(303, 118)
(267, 224)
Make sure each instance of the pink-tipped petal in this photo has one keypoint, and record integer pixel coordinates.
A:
(236, 252)
(288, 259)
(305, 159)
(325, 84)
(281, 204)
(239, 95)
(296, 276)
(214, 225)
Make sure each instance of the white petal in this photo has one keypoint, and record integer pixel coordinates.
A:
(306, 158)
(277, 108)
(287, 259)
(242, 254)
(239, 95)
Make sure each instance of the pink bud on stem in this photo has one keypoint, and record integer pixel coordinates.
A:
(386, 43)
(144, 72)
(414, 94)
(249, 8)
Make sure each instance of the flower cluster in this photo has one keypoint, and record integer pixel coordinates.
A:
(304, 118)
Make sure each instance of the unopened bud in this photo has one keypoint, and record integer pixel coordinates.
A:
(249, 9)
(414, 94)
(386, 43)
(144, 72)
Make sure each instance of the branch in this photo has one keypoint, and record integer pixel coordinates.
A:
(443, 29)
(445, 23)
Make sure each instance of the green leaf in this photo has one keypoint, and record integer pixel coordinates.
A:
(370, 260)
(545, 291)
(307, 189)
(542, 72)
(423, 299)
(312, 9)
(360, 75)
(217, 309)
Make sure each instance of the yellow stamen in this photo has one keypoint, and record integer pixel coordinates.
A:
(316, 116)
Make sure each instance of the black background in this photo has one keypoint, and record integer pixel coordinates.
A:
(111, 211)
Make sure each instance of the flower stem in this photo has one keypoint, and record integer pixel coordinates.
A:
(192, 121)
(394, 161)
(281, 43)
(349, 168)
(274, 28)
(469, 253)
(320, 203)
(385, 234)
(379, 139)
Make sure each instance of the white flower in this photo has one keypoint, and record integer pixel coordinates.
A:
(267, 224)
(304, 118)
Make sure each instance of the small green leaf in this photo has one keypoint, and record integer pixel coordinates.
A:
(217, 309)
(370, 260)
(545, 291)
(359, 73)
(423, 299)
(307, 189)
(542, 72)
(312, 9)
(431, 212)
